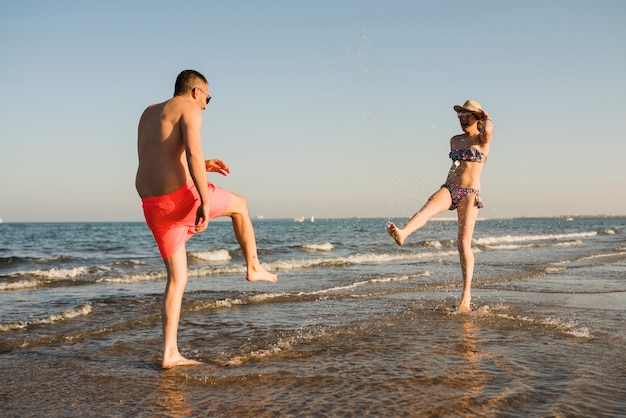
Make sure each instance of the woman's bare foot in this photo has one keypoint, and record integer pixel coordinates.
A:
(259, 274)
(396, 234)
(177, 361)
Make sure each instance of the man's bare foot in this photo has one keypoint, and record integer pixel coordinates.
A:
(179, 361)
(396, 234)
(259, 274)
(464, 308)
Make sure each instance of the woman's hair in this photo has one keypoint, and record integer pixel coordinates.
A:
(481, 123)
(186, 81)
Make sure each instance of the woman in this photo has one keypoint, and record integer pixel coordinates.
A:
(469, 153)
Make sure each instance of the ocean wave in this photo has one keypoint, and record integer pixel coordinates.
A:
(521, 246)
(16, 260)
(213, 256)
(217, 304)
(299, 296)
(131, 263)
(29, 279)
(385, 279)
(73, 275)
(554, 269)
(53, 273)
(436, 244)
(284, 346)
(504, 239)
(162, 274)
(135, 278)
(325, 247)
(22, 284)
(82, 310)
(212, 271)
(365, 258)
(431, 244)
(11, 260)
(617, 253)
(564, 326)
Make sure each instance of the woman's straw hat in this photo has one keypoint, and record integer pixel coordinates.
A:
(470, 106)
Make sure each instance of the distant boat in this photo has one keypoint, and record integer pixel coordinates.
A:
(300, 219)
(0, 220)
(569, 218)
(312, 218)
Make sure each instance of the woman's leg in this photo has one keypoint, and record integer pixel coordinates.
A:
(437, 203)
(467, 214)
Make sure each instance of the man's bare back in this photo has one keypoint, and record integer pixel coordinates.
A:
(162, 163)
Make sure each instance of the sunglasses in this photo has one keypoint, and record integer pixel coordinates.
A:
(208, 98)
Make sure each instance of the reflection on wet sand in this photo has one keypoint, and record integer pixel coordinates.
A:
(473, 377)
(173, 396)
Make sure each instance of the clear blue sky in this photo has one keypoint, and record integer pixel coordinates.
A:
(325, 108)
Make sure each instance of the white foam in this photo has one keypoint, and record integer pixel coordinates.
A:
(371, 258)
(82, 310)
(217, 304)
(527, 238)
(22, 284)
(282, 345)
(208, 271)
(267, 296)
(53, 273)
(135, 278)
(564, 326)
(325, 247)
(554, 269)
(213, 256)
(387, 279)
(620, 252)
(367, 258)
(521, 246)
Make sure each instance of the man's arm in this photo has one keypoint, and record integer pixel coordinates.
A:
(191, 122)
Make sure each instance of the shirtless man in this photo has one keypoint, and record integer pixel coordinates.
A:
(177, 199)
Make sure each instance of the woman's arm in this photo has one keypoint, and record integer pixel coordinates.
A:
(486, 131)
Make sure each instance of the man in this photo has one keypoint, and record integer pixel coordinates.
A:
(177, 200)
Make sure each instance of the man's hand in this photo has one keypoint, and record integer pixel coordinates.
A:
(217, 166)
(202, 218)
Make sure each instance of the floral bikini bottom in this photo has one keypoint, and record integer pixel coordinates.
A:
(459, 193)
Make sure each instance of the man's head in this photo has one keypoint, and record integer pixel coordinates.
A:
(187, 80)
(193, 83)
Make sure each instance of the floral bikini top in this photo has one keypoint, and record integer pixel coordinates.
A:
(467, 154)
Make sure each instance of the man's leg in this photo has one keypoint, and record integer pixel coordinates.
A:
(176, 267)
(244, 231)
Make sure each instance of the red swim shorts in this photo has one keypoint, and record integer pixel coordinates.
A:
(172, 217)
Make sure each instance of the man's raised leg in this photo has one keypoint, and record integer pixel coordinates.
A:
(244, 231)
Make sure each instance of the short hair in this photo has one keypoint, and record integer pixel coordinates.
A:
(186, 81)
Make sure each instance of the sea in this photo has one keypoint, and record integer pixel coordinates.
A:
(356, 326)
